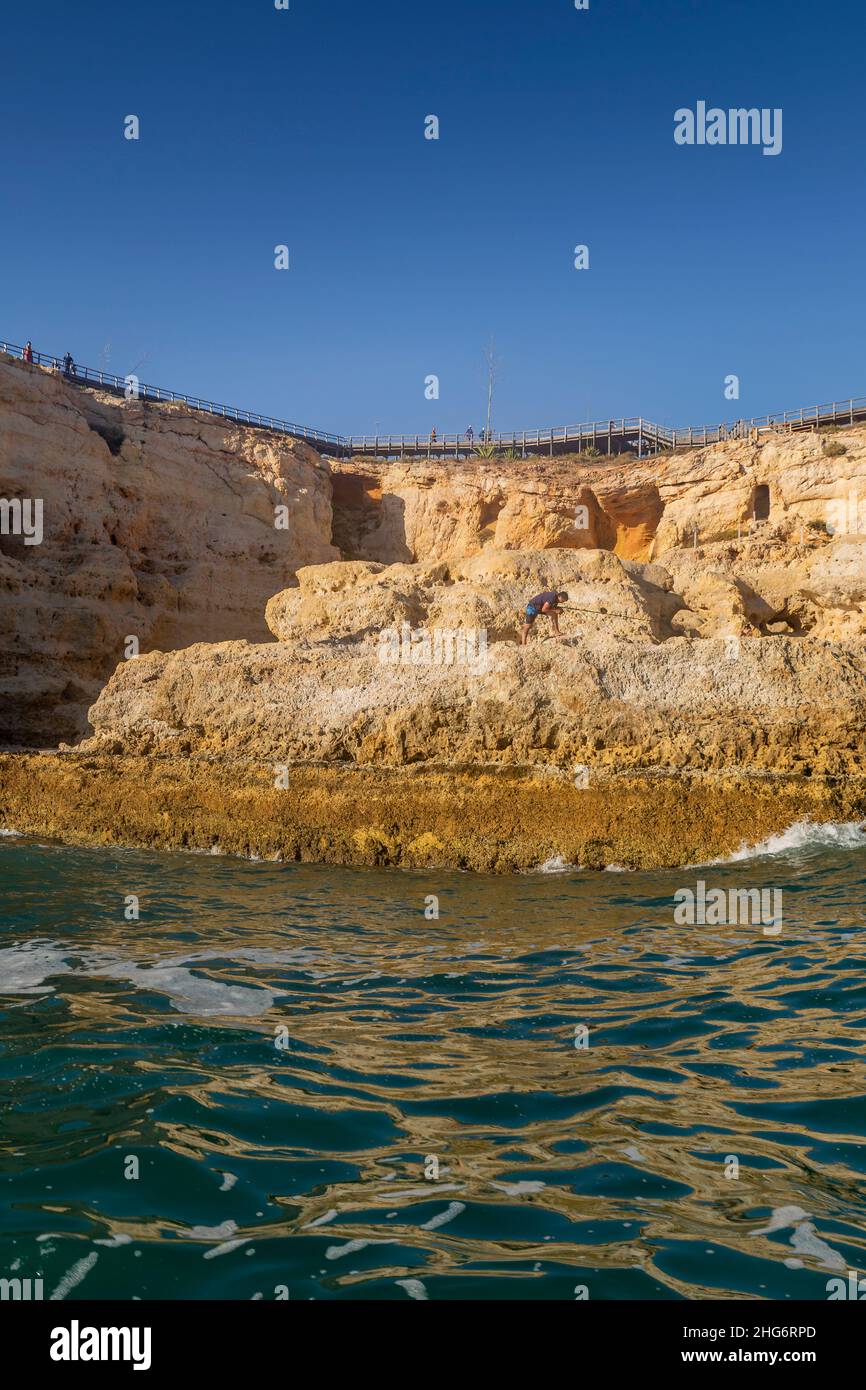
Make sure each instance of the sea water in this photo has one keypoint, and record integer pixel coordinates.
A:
(256, 1080)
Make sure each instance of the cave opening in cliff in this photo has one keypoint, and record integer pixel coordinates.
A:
(490, 509)
(112, 434)
(761, 502)
(357, 510)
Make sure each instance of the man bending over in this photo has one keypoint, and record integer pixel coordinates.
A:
(548, 603)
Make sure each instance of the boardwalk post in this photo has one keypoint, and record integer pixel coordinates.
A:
(651, 438)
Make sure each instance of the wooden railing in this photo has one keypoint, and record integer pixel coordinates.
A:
(130, 386)
(628, 434)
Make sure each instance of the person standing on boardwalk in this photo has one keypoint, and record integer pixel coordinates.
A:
(68, 365)
(27, 354)
(470, 435)
(547, 602)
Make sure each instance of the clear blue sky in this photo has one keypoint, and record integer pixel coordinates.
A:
(305, 127)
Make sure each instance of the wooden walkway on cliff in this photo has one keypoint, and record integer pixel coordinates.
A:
(627, 435)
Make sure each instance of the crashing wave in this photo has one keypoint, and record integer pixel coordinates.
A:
(555, 865)
(803, 834)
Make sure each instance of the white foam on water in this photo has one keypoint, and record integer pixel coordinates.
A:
(9, 833)
(807, 1241)
(414, 1288)
(336, 1252)
(226, 1247)
(189, 993)
(780, 1217)
(632, 1151)
(803, 834)
(112, 1242)
(321, 1220)
(23, 969)
(228, 1182)
(74, 1276)
(453, 1209)
(220, 1232)
(555, 865)
(518, 1189)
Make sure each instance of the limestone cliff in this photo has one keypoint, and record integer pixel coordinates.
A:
(435, 510)
(621, 691)
(158, 523)
(376, 708)
(641, 509)
(659, 731)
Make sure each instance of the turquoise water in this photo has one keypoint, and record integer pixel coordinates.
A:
(149, 1046)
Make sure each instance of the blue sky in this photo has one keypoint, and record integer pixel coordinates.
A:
(306, 128)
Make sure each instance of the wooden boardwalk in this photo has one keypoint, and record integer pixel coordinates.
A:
(633, 435)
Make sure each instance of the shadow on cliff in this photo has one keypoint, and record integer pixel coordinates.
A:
(367, 523)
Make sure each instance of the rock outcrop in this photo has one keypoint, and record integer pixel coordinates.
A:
(641, 509)
(486, 592)
(356, 692)
(396, 720)
(370, 668)
(158, 524)
(409, 512)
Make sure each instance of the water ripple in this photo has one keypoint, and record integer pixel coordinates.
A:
(287, 1080)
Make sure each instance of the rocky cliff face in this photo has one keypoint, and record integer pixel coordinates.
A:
(641, 509)
(408, 512)
(158, 524)
(364, 673)
(397, 721)
(710, 686)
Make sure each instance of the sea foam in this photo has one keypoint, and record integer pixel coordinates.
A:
(803, 834)
(555, 865)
